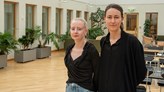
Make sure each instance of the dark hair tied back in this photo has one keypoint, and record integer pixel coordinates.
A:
(118, 7)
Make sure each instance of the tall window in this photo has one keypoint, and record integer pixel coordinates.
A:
(45, 20)
(131, 22)
(153, 17)
(9, 15)
(86, 14)
(58, 20)
(78, 13)
(29, 16)
(69, 17)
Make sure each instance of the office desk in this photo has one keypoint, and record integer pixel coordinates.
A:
(151, 51)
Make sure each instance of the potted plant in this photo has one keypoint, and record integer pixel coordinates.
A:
(26, 53)
(7, 43)
(97, 27)
(44, 39)
(66, 39)
(97, 24)
(147, 28)
(147, 38)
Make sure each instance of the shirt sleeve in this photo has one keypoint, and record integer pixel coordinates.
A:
(139, 60)
(95, 60)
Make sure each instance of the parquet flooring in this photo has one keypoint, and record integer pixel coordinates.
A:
(41, 75)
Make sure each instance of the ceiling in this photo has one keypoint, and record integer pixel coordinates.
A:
(105, 2)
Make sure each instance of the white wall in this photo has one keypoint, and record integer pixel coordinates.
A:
(74, 5)
(104, 2)
(141, 9)
(1, 16)
(53, 4)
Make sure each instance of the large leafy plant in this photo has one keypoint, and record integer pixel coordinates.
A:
(44, 39)
(97, 24)
(94, 32)
(65, 36)
(7, 43)
(97, 18)
(47, 38)
(147, 28)
(29, 38)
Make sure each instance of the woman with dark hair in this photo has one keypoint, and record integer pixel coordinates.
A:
(81, 60)
(122, 64)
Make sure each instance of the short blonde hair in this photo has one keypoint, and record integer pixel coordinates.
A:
(82, 20)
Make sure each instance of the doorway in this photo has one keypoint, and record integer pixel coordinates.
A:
(131, 23)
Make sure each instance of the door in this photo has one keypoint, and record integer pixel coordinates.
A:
(131, 23)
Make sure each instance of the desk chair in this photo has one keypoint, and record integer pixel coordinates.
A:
(148, 59)
(147, 80)
(161, 60)
(155, 47)
(161, 82)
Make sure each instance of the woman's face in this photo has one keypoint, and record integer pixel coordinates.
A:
(77, 30)
(113, 19)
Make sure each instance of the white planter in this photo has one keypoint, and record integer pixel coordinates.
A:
(3, 61)
(24, 56)
(96, 43)
(43, 52)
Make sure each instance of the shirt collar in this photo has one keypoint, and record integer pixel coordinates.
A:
(123, 35)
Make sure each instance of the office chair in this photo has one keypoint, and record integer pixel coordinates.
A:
(161, 60)
(147, 80)
(148, 59)
(155, 47)
(161, 82)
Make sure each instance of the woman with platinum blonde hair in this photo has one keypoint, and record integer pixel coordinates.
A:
(81, 60)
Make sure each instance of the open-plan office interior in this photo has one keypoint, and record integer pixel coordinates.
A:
(49, 74)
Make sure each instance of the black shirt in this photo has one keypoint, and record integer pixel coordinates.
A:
(83, 70)
(122, 65)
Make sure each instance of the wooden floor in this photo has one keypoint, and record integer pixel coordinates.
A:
(41, 75)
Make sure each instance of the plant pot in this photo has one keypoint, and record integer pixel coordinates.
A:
(68, 42)
(96, 43)
(43, 52)
(25, 55)
(147, 40)
(3, 61)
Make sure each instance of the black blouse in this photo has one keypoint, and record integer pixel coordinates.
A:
(83, 70)
(122, 65)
